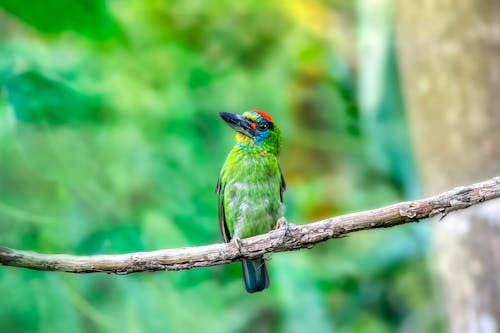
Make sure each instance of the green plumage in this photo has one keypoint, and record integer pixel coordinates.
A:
(250, 188)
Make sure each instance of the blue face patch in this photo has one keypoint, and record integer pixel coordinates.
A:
(259, 139)
(264, 134)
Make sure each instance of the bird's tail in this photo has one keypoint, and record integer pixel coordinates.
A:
(255, 274)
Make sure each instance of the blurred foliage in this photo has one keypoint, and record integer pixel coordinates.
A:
(110, 142)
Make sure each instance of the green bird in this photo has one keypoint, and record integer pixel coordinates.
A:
(250, 187)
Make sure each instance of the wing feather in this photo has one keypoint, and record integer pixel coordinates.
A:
(219, 188)
(283, 184)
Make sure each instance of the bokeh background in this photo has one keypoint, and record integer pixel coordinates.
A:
(110, 142)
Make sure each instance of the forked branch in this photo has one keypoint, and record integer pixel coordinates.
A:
(291, 237)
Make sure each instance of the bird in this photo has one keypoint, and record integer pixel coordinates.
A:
(250, 187)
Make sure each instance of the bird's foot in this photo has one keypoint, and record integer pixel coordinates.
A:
(282, 224)
(237, 243)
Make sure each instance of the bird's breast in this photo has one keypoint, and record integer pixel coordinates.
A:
(252, 197)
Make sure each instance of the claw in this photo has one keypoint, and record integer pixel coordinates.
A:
(282, 224)
(237, 243)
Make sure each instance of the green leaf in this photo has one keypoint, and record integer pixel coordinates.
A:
(38, 99)
(90, 17)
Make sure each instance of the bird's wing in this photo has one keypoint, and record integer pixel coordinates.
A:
(219, 188)
(283, 184)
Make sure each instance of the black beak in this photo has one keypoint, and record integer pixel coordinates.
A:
(239, 123)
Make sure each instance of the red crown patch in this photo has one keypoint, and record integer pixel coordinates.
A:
(263, 115)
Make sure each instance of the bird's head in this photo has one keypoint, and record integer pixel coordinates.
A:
(255, 130)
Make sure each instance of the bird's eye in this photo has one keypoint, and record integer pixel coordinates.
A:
(262, 126)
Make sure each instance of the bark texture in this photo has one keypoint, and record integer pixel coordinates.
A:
(449, 53)
(289, 237)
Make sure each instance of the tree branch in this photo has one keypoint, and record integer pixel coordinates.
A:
(293, 237)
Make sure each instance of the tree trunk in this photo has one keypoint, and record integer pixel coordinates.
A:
(449, 53)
